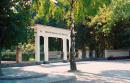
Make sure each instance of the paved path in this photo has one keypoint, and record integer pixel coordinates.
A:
(89, 71)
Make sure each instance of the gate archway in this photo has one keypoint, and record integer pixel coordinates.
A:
(49, 31)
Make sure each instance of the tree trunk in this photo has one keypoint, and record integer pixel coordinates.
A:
(91, 54)
(72, 50)
(72, 53)
(91, 48)
(100, 45)
(97, 50)
(83, 53)
(18, 55)
(100, 50)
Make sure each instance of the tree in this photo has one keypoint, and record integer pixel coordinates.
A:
(101, 29)
(72, 49)
(85, 11)
(14, 23)
(120, 25)
(109, 24)
(49, 13)
(4, 7)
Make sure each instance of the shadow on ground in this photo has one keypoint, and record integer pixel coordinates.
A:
(109, 76)
(116, 73)
(17, 73)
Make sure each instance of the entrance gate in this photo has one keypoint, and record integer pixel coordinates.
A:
(49, 31)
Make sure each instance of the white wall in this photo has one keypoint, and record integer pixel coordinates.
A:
(116, 53)
(108, 53)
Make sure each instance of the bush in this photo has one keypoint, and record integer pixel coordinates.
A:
(11, 56)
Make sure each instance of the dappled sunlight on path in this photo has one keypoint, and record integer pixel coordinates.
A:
(89, 71)
(83, 77)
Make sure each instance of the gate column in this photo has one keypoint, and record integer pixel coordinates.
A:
(46, 58)
(64, 50)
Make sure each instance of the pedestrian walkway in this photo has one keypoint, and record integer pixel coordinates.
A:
(89, 72)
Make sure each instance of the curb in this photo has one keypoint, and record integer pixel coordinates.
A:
(20, 64)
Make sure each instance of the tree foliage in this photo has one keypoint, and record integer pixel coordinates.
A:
(17, 28)
(14, 23)
(110, 24)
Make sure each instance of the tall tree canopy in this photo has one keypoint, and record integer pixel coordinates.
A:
(110, 25)
(15, 20)
(15, 25)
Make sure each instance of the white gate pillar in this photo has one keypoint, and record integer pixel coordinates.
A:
(69, 45)
(64, 50)
(46, 58)
(37, 47)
